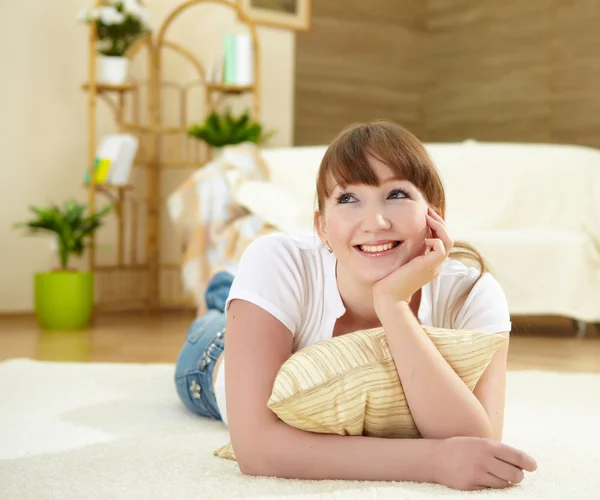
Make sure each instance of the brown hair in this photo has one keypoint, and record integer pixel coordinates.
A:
(346, 159)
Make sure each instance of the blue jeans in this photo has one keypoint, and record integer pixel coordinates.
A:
(204, 344)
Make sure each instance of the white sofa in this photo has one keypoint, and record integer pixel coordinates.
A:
(532, 210)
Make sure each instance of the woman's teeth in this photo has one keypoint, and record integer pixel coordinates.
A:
(378, 248)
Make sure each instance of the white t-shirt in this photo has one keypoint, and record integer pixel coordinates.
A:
(294, 279)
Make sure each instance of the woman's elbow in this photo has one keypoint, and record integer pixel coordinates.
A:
(253, 459)
(245, 462)
(247, 468)
(248, 461)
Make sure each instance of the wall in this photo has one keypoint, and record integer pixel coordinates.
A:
(514, 71)
(491, 70)
(44, 117)
(359, 61)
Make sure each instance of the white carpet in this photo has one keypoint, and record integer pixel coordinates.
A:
(108, 431)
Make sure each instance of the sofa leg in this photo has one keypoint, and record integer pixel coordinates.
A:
(580, 326)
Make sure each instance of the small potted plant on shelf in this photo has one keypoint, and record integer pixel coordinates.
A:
(119, 24)
(64, 297)
(219, 130)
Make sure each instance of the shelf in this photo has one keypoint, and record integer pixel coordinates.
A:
(174, 165)
(228, 88)
(108, 87)
(224, 88)
(111, 187)
(115, 193)
(158, 129)
(121, 267)
(132, 274)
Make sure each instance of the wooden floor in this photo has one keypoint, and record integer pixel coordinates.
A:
(536, 343)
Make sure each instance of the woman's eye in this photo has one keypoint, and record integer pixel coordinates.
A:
(345, 198)
(397, 194)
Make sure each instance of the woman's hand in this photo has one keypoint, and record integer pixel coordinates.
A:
(468, 463)
(405, 281)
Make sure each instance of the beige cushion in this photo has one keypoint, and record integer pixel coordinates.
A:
(348, 385)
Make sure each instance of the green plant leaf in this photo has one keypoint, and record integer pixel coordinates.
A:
(222, 129)
(238, 131)
(243, 120)
(213, 123)
(254, 132)
(211, 136)
(69, 225)
(74, 212)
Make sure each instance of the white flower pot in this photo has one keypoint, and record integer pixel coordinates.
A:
(113, 69)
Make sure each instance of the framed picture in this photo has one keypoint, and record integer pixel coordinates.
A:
(286, 14)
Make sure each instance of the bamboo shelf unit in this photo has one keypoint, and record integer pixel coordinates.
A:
(138, 277)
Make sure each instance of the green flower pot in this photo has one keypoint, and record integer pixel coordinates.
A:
(64, 300)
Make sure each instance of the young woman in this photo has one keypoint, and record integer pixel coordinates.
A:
(381, 258)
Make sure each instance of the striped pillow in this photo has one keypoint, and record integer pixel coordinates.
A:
(348, 385)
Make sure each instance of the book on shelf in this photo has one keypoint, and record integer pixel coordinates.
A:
(114, 159)
(243, 59)
(236, 64)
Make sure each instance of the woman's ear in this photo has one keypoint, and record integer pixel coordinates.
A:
(320, 226)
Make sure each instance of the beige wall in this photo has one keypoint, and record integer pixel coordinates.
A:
(44, 116)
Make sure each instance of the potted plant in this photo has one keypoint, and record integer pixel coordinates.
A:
(64, 297)
(119, 24)
(219, 130)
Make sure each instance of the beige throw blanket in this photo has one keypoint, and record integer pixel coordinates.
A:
(214, 229)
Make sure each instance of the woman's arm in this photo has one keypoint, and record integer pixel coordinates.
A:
(287, 452)
(257, 345)
(440, 402)
(491, 389)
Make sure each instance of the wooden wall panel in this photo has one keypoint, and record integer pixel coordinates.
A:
(576, 72)
(489, 68)
(510, 70)
(359, 61)
(453, 96)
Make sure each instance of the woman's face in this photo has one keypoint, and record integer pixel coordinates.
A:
(373, 230)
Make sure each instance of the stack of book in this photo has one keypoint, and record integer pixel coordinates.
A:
(114, 159)
(235, 66)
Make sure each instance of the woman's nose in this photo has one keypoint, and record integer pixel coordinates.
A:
(375, 221)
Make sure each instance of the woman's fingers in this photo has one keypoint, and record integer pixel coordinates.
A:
(437, 225)
(515, 457)
(506, 471)
(435, 214)
(435, 255)
(435, 245)
(491, 481)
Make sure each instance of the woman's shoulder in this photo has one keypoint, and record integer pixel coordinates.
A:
(485, 307)
(278, 273)
(282, 257)
(457, 276)
(457, 271)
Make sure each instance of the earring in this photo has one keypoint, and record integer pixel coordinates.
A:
(329, 249)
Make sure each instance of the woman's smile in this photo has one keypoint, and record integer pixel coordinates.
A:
(378, 248)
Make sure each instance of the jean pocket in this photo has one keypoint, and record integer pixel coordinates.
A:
(195, 395)
(209, 324)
